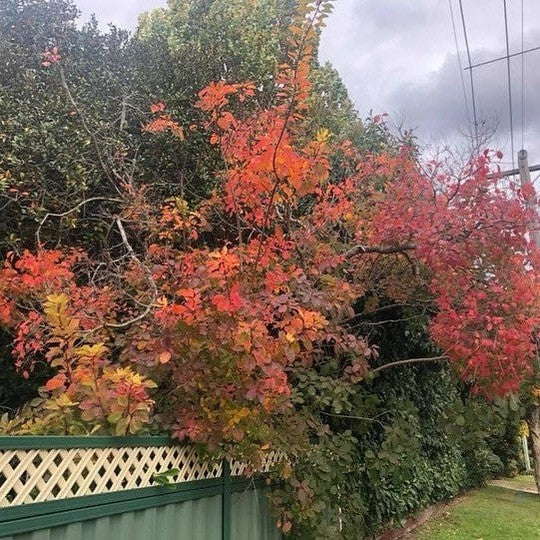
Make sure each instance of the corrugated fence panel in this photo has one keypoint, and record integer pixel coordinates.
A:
(104, 488)
(251, 518)
(198, 519)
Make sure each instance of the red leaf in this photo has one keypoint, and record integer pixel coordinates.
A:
(157, 107)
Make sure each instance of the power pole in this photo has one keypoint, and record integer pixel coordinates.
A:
(534, 416)
(525, 179)
(525, 450)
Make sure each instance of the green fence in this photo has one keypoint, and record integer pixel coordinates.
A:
(103, 488)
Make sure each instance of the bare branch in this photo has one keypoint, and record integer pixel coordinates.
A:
(424, 307)
(380, 323)
(385, 250)
(123, 122)
(410, 361)
(148, 275)
(354, 417)
(109, 171)
(70, 211)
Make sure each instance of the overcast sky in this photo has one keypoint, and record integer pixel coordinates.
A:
(399, 56)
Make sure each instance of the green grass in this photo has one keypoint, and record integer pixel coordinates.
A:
(491, 513)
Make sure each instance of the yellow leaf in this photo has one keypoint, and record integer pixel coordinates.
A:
(91, 351)
(323, 135)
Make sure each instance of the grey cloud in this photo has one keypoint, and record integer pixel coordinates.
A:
(391, 16)
(122, 13)
(398, 56)
(437, 107)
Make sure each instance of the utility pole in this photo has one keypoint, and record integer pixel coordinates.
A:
(534, 416)
(525, 450)
(525, 179)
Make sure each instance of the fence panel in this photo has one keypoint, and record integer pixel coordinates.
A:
(250, 517)
(190, 520)
(102, 488)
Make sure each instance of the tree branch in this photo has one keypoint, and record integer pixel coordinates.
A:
(410, 361)
(385, 250)
(147, 274)
(70, 211)
(110, 173)
(149, 278)
(423, 307)
(388, 321)
(290, 109)
(278, 180)
(354, 417)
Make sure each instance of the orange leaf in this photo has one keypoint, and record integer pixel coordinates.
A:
(57, 381)
(164, 357)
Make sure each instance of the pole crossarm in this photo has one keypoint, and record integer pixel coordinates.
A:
(513, 172)
(505, 57)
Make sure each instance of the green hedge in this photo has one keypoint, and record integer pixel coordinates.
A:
(410, 437)
(438, 442)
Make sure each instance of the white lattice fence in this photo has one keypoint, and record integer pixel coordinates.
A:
(239, 468)
(28, 476)
(38, 475)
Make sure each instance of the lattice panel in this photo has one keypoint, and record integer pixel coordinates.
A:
(28, 476)
(238, 468)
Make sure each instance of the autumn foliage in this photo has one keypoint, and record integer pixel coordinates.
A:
(216, 305)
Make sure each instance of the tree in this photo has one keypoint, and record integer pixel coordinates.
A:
(224, 303)
(212, 40)
(71, 132)
(50, 159)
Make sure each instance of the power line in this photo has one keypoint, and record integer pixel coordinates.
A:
(509, 82)
(522, 77)
(499, 58)
(465, 99)
(470, 70)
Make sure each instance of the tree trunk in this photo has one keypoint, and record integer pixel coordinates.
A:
(534, 429)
